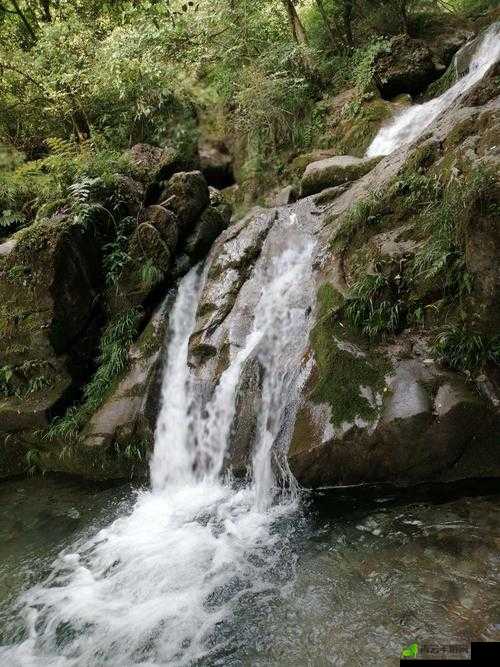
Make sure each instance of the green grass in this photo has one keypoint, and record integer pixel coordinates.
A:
(150, 275)
(375, 306)
(444, 223)
(465, 349)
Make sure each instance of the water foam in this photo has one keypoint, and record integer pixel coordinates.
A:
(158, 586)
(410, 124)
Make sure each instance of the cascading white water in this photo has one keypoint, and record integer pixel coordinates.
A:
(409, 124)
(158, 586)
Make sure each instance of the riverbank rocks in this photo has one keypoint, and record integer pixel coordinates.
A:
(186, 194)
(334, 171)
(63, 281)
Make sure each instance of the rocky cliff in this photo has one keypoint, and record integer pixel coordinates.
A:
(403, 382)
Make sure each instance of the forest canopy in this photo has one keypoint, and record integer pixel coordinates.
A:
(85, 80)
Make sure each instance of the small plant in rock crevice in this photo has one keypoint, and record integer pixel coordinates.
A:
(113, 359)
(33, 462)
(115, 252)
(375, 305)
(150, 274)
(465, 349)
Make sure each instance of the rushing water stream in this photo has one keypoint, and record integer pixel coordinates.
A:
(339, 583)
(160, 583)
(411, 123)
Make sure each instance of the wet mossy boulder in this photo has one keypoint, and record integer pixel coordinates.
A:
(385, 412)
(49, 321)
(334, 171)
(187, 195)
(155, 164)
(165, 222)
(211, 223)
(408, 66)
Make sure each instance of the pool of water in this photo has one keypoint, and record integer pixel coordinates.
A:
(350, 581)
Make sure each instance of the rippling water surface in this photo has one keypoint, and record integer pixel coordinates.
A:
(347, 580)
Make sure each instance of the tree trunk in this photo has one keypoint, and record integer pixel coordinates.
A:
(326, 21)
(46, 13)
(404, 15)
(299, 34)
(24, 20)
(347, 17)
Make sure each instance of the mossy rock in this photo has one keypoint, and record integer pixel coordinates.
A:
(349, 377)
(334, 171)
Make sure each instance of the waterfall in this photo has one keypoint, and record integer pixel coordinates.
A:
(162, 584)
(410, 124)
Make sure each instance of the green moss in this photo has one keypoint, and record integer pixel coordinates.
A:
(359, 221)
(341, 368)
(358, 129)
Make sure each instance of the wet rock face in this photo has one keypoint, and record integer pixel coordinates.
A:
(57, 297)
(389, 410)
(49, 323)
(390, 414)
(130, 412)
(231, 263)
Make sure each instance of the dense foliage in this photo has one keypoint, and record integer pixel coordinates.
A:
(106, 75)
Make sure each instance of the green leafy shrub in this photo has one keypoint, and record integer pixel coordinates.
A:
(71, 177)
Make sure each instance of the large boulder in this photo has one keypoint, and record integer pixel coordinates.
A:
(409, 66)
(384, 413)
(165, 222)
(211, 223)
(153, 163)
(49, 325)
(187, 195)
(334, 171)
